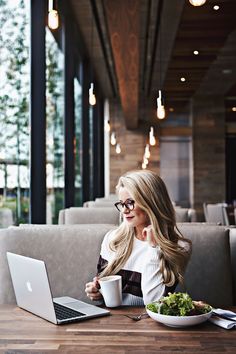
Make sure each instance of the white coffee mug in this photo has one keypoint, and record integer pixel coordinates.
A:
(111, 290)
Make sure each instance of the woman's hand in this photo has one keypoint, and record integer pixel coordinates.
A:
(147, 234)
(92, 291)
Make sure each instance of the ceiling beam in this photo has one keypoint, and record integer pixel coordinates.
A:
(123, 26)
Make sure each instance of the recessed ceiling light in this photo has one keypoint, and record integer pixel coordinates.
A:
(195, 52)
(216, 7)
(171, 109)
(234, 109)
(182, 79)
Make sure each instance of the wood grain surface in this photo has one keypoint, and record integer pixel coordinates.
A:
(22, 332)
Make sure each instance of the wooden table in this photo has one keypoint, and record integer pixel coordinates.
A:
(22, 332)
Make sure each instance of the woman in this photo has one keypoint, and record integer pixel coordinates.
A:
(147, 249)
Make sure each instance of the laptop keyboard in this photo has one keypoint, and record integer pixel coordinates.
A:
(63, 313)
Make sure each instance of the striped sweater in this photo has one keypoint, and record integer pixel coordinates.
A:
(142, 281)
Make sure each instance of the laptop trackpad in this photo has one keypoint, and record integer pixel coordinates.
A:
(79, 305)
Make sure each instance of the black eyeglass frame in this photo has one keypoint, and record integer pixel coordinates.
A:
(129, 204)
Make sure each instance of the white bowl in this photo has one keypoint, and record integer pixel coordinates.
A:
(179, 321)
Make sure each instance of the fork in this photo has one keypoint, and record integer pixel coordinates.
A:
(137, 317)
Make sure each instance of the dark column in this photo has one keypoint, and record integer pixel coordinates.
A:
(69, 120)
(37, 114)
(85, 173)
(98, 142)
(208, 126)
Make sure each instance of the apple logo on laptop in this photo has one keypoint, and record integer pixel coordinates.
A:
(29, 287)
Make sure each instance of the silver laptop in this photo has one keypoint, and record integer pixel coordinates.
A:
(32, 290)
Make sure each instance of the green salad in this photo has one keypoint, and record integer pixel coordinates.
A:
(178, 304)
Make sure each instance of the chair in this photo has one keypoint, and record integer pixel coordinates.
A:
(209, 273)
(6, 217)
(80, 215)
(216, 213)
(232, 234)
(109, 198)
(98, 204)
(185, 214)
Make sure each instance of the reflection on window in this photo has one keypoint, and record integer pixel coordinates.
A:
(78, 157)
(55, 128)
(14, 112)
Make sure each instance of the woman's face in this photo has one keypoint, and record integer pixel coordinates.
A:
(136, 217)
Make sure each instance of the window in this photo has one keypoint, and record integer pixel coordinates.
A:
(78, 155)
(14, 110)
(55, 128)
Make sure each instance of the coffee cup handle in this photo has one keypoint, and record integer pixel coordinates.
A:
(99, 289)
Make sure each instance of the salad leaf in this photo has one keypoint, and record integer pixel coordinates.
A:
(178, 304)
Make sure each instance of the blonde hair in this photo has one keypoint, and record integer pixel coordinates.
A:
(150, 194)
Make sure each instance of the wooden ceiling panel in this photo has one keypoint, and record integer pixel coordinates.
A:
(123, 25)
(149, 44)
(201, 29)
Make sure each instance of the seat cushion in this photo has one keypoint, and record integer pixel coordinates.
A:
(208, 275)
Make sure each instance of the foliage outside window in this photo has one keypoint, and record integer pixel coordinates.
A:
(14, 109)
(55, 128)
(78, 157)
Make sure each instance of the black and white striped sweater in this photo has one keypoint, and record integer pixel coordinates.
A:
(142, 281)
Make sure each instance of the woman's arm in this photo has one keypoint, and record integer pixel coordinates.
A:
(152, 284)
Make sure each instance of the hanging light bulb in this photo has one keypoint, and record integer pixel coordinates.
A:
(152, 140)
(145, 160)
(92, 97)
(53, 18)
(147, 153)
(113, 138)
(161, 113)
(118, 149)
(107, 126)
(197, 2)
(144, 166)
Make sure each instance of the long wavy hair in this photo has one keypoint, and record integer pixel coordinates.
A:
(149, 193)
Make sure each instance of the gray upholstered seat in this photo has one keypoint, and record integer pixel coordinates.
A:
(216, 213)
(79, 215)
(185, 214)
(71, 253)
(209, 273)
(98, 204)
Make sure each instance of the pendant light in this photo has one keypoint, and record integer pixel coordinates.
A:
(107, 126)
(118, 149)
(197, 2)
(161, 113)
(152, 139)
(53, 18)
(147, 153)
(92, 97)
(113, 138)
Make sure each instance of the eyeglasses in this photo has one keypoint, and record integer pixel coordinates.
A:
(129, 204)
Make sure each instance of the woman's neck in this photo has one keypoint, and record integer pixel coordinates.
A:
(138, 233)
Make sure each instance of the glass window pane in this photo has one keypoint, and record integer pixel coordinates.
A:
(55, 128)
(78, 157)
(14, 110)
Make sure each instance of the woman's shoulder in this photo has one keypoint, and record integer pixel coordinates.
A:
(105, 249)
(109, 236)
